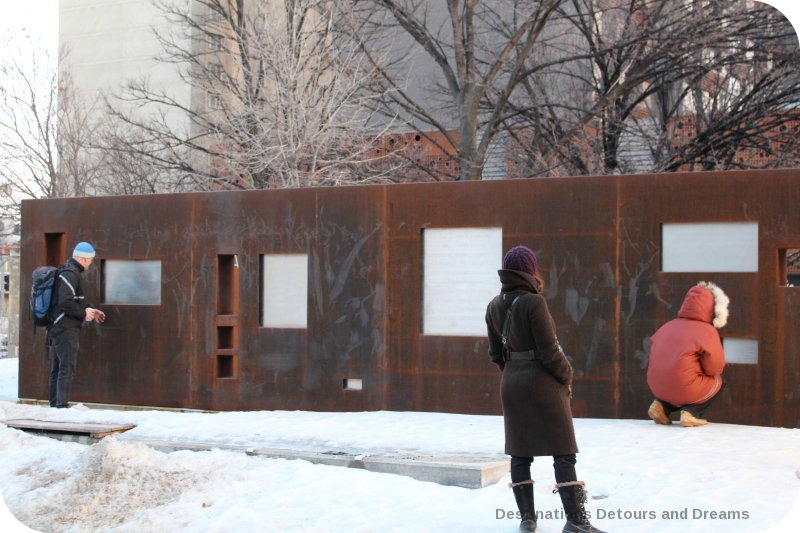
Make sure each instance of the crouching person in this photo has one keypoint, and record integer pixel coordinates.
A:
(686, 358)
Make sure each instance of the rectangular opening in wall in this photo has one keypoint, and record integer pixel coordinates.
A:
(55, 248)
(284, 290)
(789, 267)
(131, 282)
(227, 285)
(226, 339)
(224, 366)
(709, 247)
(740, 351)
(352, 384)
(459, 278)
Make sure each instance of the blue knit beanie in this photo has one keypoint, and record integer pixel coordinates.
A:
(83, 249)
(522, 259)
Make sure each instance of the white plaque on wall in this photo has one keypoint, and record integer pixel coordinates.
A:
(132, 282)
(459, 279)
(284, 301)
(741, 351)
(709, 247)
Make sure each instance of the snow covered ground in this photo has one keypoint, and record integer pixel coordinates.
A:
(642, 477)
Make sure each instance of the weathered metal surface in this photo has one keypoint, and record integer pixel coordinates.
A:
(598, 240)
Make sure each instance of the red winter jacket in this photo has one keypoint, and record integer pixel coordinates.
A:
(686, 358)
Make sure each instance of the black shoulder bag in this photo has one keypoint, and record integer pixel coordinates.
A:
(506, 326)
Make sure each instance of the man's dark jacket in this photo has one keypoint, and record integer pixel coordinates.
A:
(69, 310)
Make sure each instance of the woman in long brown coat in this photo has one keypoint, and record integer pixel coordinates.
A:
(535, 389)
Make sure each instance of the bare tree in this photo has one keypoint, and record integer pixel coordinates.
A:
(42, 132)
(723, 73)
(611, 58)
(741, 111)
(456, 61)
(115, 148)
(80, 166)
(28, 122)
(276, 101)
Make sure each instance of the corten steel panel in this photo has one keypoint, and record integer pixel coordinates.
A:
(787, 399)
(570, 224)
(289, 368)
(651, 297)
(142, 354)
(599, 247)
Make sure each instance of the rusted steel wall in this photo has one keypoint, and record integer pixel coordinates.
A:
(598, 242)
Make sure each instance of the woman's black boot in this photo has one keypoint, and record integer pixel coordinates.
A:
(573, 497)
(523, 493)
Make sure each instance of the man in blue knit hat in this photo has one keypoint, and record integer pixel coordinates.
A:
(69, 312)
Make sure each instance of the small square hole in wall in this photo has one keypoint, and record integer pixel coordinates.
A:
(224, 366)
(225, 338)
(352, 384)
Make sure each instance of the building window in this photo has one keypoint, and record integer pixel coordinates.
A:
(217, 71)
(131, 282)
(214, 101)
(215, 44)
(284, 291)
(709, 247)
(459, 274)
(214, 15)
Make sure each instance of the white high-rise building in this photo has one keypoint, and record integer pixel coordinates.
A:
(108, 43)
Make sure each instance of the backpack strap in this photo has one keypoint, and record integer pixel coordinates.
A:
(506, 327)
(60, 275)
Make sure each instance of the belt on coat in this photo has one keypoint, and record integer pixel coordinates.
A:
(530, 355)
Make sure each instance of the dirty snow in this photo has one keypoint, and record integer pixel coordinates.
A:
(642, 477)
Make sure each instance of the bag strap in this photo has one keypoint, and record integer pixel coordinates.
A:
(59, 275)
(506, 327)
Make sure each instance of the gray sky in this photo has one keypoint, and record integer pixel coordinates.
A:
(37, 18)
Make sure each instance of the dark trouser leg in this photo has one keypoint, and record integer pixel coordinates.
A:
(522, 484)
(699, 409)
(564, 466)
(520, 468)
(66, 352)
(668, 407)
(53, 376)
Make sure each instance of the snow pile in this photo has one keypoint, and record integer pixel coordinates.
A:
(641, 477)
(99, 487)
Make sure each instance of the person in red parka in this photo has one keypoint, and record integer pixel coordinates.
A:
(686, 358)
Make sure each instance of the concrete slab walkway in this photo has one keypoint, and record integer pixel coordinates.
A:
(460, 471)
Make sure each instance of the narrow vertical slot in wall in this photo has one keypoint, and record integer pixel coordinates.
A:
(789, 267)
(227, 322)
(227, 285)
(55, 248)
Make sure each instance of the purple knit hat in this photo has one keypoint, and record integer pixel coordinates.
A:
(521, 258)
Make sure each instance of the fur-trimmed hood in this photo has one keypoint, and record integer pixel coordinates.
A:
(706, 302)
